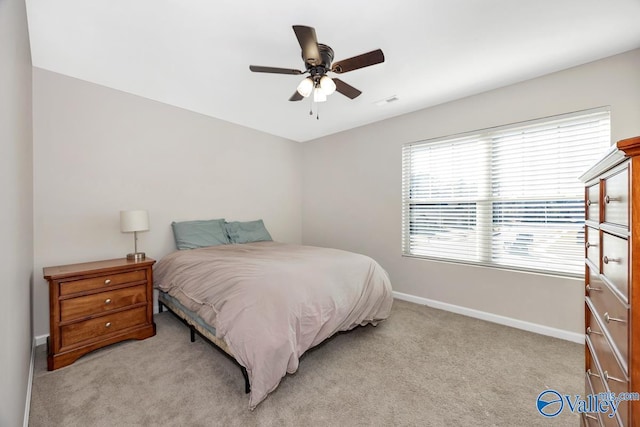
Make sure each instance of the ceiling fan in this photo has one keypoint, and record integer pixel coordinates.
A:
(318, 59)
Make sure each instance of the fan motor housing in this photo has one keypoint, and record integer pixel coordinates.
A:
(326, 55)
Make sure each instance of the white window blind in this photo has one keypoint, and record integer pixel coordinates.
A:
(506, 197)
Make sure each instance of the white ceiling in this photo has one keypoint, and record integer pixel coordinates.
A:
(196, 54)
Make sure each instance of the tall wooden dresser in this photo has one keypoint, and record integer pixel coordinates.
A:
(612, 280)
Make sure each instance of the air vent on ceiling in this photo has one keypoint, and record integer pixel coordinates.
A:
(387, 100)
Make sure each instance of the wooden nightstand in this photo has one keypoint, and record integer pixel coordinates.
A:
(95, 304)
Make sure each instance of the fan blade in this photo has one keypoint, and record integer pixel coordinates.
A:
(346, 89)
(309, 44)
(296, 96)
(274, 70)
(360, 61)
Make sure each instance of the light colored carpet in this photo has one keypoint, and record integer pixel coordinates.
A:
(422, 367)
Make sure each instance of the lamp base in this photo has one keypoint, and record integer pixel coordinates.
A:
(136, 256)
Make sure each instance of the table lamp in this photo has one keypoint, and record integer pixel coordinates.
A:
(134, 221)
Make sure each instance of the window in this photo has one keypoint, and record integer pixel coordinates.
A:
(504, 197)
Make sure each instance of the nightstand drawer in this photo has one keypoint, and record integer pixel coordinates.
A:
(84, 285)
(76, 308)
(93, 328)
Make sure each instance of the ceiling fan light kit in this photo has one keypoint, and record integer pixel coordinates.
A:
(327, 85)
(321, 90)
(305, 87)
(319, 95)
(318, 60)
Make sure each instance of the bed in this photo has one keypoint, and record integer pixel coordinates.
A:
(265, 303)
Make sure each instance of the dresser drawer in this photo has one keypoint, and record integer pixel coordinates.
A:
(94, 328)
(594, 374)
(76, 308)
(615, 262)
(598, 388)
(592, 210)
(595, 332)
(608, 306)
(591, 419)
(75, 286)
(592, 245)
(616, 198)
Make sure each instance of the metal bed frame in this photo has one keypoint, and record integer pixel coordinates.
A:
(195, 328)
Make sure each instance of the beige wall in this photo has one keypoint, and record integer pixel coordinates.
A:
(16, 215)
(352, 189)
(98, 151)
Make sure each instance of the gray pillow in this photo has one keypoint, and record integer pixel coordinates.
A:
(199, 234)
(247, 232)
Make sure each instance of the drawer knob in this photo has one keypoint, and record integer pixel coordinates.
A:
(608, 199)
(590, 245)
(608, 377)
(107, 325)
(589, 289)
(590, 331)
(609, 319)
(607, 260)
(107, 281)
(107, 301)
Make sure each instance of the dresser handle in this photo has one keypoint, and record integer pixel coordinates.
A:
(608, 199)
(590, 331)
(590, 245)
(589, 289)
(607, 260)
(608, 319)
(107, 325)
(106, 282)
(107, 301)
(607, 377)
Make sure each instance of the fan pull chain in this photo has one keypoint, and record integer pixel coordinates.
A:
(311, 102)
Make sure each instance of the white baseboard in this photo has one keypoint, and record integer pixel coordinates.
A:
(494, 318)
(41, 339)
(483, 315)
(27, 403)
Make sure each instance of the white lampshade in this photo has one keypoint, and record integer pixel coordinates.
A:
(131, 221)
(328, 85)
(305, 87)
(318, 95)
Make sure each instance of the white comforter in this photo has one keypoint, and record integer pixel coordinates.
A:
(271, 302)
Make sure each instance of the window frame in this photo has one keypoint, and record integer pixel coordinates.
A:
(486, 202)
